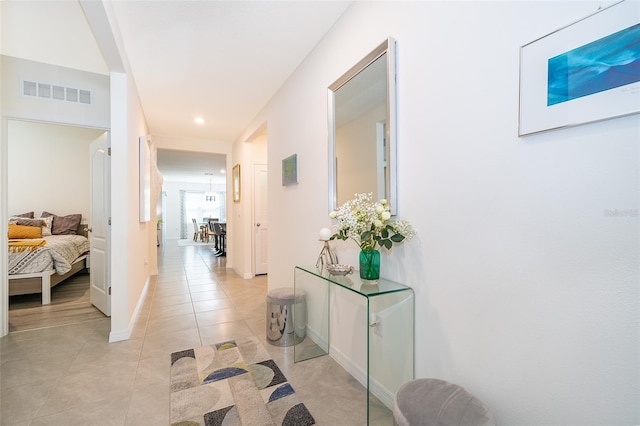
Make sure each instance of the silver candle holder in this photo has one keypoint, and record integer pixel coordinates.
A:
(327, 255)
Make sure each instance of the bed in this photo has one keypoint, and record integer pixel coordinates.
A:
(38, 262)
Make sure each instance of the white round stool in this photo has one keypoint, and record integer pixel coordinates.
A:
(434, 402)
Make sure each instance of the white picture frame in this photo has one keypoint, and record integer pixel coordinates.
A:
(145, 179)
(577, 47)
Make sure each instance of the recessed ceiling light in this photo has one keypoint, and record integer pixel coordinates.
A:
(199, 120)
(223, 171)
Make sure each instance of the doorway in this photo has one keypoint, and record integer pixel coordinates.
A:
(193, 187)
(261, 219)
(48, 170)
(258, 224)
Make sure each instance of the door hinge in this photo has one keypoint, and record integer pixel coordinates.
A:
(109, 221)
(109, 291)
(109, 151)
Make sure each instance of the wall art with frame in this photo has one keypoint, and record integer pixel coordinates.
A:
(144, 179)
(587, 71)
(290, 170)
(235, 180)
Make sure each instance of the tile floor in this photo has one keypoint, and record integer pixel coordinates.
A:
(71, 375)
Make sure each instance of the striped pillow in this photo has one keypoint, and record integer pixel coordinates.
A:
(28, 215)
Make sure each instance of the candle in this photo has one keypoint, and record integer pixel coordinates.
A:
(325, 234)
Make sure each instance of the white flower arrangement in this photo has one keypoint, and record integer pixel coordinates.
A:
(369, 223)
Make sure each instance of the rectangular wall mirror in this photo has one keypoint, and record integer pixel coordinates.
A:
(362, 129)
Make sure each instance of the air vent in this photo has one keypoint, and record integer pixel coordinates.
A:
(59, 93)
(72, 94)
(85, 97)
(44, 90)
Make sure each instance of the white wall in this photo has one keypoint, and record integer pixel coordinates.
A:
(49, 168)
(131, 240)
(526, 285)
(15, 70)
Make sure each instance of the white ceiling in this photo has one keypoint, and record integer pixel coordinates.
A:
(221, 60)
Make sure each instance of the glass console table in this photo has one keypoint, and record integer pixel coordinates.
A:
(376, 338)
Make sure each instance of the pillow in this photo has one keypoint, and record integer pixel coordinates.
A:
(28, 215)
(28, 222)
(47, 225)
(21, 231)
(64, 225)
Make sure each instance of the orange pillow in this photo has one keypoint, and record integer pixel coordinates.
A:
(23, 231)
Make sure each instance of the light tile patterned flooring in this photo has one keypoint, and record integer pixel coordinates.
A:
(71, 375)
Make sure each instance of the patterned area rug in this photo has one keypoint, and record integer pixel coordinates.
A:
(233, 383)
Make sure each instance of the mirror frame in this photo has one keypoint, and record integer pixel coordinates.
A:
(388, 47)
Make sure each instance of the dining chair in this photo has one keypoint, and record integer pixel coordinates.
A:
(207, 232)
(221, 235)
(196, 230)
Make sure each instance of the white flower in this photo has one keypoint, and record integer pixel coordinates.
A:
(403, 227)
(368, 223)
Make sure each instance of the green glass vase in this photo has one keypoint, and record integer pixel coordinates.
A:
(369, 264)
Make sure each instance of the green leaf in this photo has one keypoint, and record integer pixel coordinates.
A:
(385, 233)
(397, 238)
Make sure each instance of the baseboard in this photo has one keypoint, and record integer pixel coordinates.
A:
(244, 275)
(384, 395)
(317, 339)
(119, 335)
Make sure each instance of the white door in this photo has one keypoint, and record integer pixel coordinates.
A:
(261, 228)
(99, 229)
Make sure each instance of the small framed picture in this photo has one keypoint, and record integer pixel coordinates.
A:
(290, 170)
(236, 183)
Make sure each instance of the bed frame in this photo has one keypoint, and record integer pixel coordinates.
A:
(42, 282)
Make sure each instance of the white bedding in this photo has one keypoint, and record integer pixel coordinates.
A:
(58, 254)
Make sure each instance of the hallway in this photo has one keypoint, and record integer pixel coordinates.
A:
(71, 375)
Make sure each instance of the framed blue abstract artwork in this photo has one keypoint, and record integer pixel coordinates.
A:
(587, 71)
